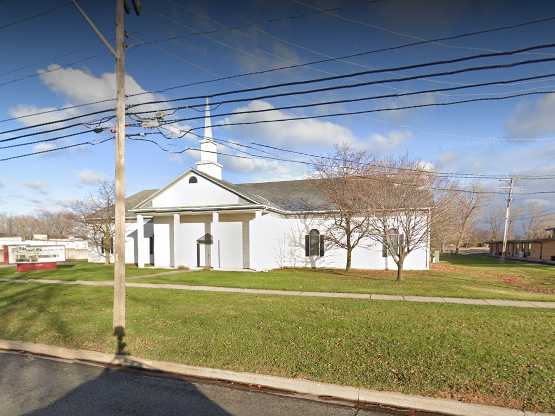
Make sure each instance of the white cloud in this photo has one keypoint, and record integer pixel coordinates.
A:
(533, 119)
(298, 132)
(43, 147)
(37, 186)
(22, 110)
(78, 86)
(90, 177)
(388, 141)
(401, 115)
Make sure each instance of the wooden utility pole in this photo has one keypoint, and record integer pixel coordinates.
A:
(119, 235)
(507, 217)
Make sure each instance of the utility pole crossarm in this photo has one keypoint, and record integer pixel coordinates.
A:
(96, 29)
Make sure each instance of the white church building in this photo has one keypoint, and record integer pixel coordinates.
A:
(199, 220)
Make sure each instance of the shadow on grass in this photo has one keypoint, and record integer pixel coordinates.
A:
(38, 300)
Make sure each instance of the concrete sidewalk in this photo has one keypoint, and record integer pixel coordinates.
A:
(272, 292)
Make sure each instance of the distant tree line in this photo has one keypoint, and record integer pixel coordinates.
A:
(56, 224)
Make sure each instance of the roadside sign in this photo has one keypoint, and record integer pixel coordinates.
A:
(36, 257)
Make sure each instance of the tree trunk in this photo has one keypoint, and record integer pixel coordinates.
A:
(106, 244)
(349, 248)
(458, 243)
(400, 269)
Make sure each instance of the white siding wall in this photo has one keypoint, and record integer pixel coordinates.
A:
(204, 192)
(163, 241)
(277, 241)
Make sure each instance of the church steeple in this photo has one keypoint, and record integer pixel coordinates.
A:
(209, 149)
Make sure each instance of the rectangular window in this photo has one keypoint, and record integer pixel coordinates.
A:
(151, 245)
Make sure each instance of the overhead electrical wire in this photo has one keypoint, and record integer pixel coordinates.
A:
(375, 110)
(252, 156)
(344, 101)
(280, 68)
(46, 71)
(70, 146)
(237, 27)
(336, 87)
(90, 143)
(460, 175)
(374, 82)
(51, 139)
(34, 16)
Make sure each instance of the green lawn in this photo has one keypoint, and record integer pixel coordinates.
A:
(493, 355)
(79, 270)
(456, 276)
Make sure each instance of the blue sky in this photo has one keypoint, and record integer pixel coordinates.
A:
(466, 138)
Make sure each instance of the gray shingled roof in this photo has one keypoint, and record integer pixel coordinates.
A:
(295, 195)
(133, 200)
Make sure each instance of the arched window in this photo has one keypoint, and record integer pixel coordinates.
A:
(193, 179)
(314, 244)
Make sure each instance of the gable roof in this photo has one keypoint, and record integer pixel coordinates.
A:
(147, 202)
(293, 195)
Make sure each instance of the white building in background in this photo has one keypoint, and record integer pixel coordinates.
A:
(199, 220)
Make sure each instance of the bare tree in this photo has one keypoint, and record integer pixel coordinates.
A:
(401, 203)
(96, 217)
(443, 226)
(494, 219)
(346, 224)
(535, 220)
(57, 224)
(468, 205)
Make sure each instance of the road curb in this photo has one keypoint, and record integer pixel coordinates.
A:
(378, 399)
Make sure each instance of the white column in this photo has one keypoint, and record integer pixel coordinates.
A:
(254, 243)
(140, 241)
(215, 257)
(246, 244)
(175, 235)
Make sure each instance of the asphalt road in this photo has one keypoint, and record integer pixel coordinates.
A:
(41, 387)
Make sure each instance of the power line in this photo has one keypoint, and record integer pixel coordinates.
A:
(344, 101)
(358, 54)
(460, 175)
(238, 27)
(280, 68)
(382, 81)
(55, 110)
(49, 123)
(40, 152)
(53, 58)
(377, 110)
(34, 16)
(39, 73)
(353, 85)
(252, 156)
(52, 139)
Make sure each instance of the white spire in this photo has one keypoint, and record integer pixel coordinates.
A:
(209, 149)
(207, 121)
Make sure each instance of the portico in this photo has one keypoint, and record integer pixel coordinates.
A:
(217, 239)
